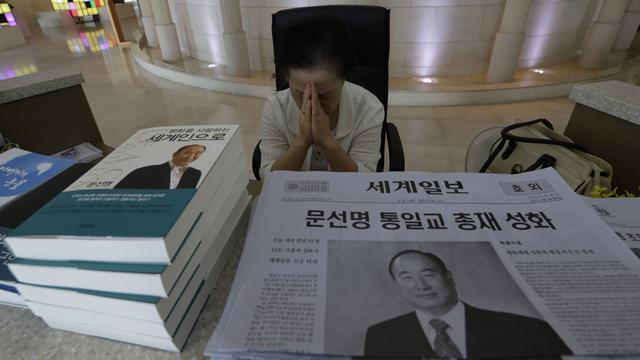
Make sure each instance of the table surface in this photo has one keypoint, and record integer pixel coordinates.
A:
(39, 83)
(25, 336)
(614, 97)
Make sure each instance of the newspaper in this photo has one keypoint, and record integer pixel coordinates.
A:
(622, 215)
(373, 264)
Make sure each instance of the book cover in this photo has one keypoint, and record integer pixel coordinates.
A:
(137, 191)
(22, 171)
(143, 160)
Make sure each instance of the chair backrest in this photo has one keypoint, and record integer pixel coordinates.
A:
(369, 30)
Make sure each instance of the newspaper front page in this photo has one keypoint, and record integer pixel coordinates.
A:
(428, 265)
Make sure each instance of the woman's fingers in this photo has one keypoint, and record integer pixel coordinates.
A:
(316, 108)
(305, 116)
(306, 100)
(315, 103)
(319, 121)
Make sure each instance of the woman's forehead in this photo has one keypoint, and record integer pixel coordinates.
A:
(324, 78)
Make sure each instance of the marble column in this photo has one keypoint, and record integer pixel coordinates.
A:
(602, 34)
(630, 23)
(235, 39)
(508, 42)
(166, 29)
(148, 22)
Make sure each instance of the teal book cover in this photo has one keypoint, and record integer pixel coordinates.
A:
(108, 213)
(137, 191)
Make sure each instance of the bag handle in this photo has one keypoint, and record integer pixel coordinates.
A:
(494, 153)
(544, 161)
(507, 135)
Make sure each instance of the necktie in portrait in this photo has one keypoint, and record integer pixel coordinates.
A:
(443, 346)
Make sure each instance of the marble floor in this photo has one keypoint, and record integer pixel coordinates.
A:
(125, 98)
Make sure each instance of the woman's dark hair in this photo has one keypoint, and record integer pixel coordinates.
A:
(321, 40)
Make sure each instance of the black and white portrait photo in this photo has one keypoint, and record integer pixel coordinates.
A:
(431, 299)
(176, 173)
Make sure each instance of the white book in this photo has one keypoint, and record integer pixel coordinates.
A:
(172, 341)
(154, 325)
(9, 294)
(138, 204)
(9, 298)
(142, 279)
(142, 307)
(176, 343)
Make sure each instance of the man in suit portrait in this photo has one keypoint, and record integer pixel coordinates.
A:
(173, 174)
(444, 326)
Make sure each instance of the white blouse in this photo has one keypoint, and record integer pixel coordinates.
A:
(358, 131)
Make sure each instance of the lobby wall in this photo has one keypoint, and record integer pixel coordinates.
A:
(199, 26)
(556, 30)
(428, 37)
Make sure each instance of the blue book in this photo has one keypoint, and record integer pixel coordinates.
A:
(22, 171)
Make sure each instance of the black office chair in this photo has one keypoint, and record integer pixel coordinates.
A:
(369, 30)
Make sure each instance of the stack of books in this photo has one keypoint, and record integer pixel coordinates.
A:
(9, 294)
(21, 173)
(130, 251)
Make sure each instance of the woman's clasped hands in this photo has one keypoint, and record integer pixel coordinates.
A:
(315, 125)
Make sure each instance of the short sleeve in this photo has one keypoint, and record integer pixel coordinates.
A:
(273, 143)
(365, 146)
